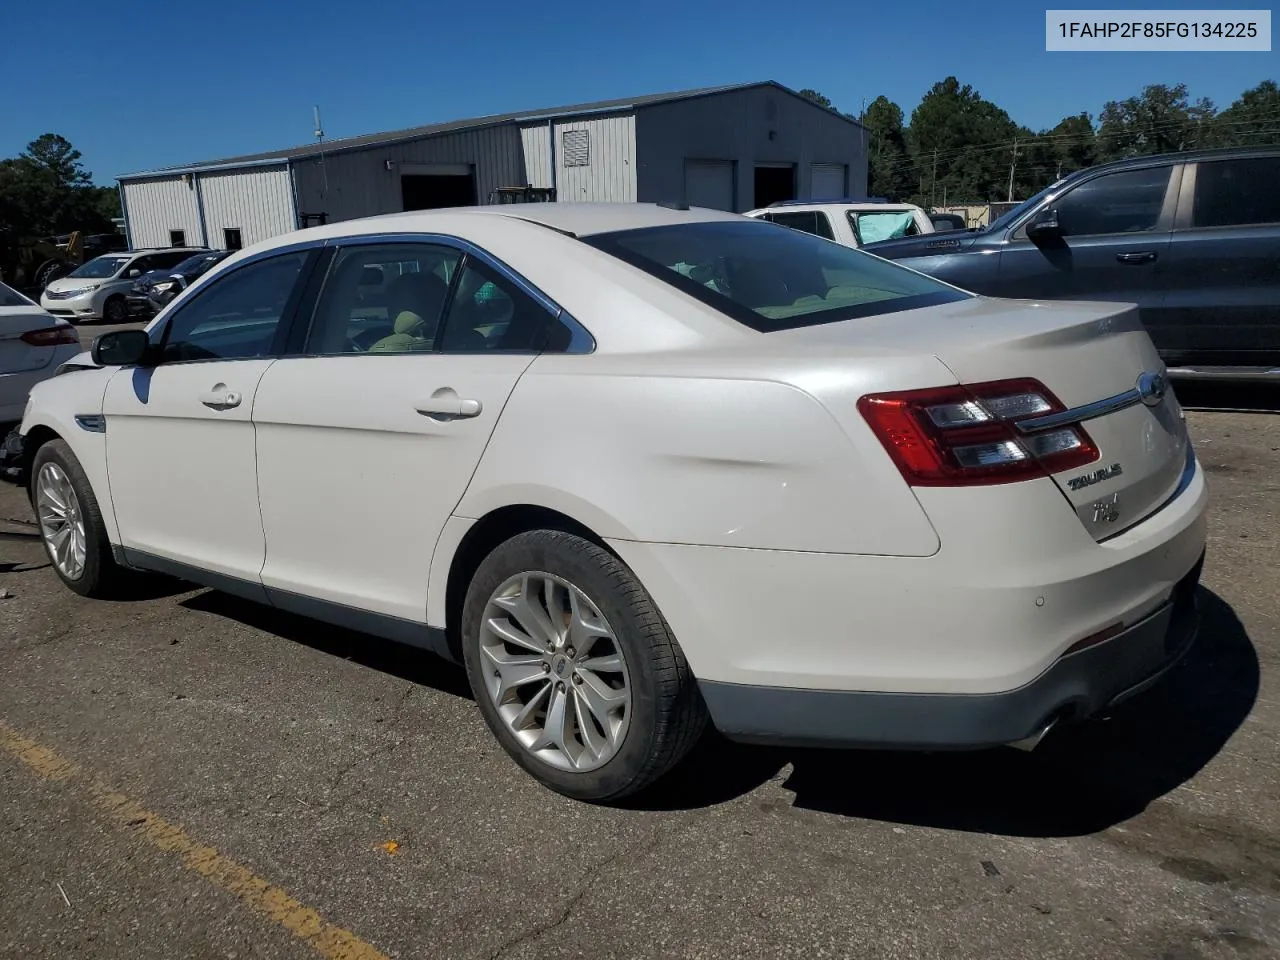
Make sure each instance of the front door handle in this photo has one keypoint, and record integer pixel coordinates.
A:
(1142, 256)
(220, 398)
(448, 406)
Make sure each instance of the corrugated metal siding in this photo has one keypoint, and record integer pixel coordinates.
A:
(257, 202)
(609, 176)
(159, 205)
(359, 184)
(735, 126)
(537, 159)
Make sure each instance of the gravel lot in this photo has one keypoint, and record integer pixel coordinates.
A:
(188, 775)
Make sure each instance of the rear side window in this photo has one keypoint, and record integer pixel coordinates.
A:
(1126, 202)
(773, 279)
(883, 225)
(810, 221)
(12, 298)
(1237, 192)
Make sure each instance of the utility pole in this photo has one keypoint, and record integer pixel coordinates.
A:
(933, 183)
(1013, 164)
(1059, 175)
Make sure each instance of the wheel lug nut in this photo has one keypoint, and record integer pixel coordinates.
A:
(560, 686)
(546, 667)
(569, 651)
(577, 678)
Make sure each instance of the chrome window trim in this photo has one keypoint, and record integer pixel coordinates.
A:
(581, 339)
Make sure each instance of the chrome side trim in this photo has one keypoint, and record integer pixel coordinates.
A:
(1087, 411)
(93, 422)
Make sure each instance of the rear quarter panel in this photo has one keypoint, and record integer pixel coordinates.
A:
(692, 458)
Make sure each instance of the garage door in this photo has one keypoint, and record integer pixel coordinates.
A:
(709, 183)
(827, 182)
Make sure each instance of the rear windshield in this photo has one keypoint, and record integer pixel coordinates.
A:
(771, 278)
(12, 298)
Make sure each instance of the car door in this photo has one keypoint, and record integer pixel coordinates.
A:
(180, 445)
(1110, 243)
(1221, 301)
(367, 440)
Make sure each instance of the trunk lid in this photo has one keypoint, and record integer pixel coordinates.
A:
(1084, 353)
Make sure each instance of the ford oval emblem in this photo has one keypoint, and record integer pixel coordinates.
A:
(1152, 387)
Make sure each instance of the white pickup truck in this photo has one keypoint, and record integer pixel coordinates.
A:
(852, 223)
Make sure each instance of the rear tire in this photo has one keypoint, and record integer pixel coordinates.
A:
(629, 702)
(71, 527)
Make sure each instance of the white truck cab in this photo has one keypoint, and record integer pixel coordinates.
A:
(854, 223)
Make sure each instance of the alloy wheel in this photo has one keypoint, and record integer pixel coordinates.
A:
(61, 520)
(555, 670)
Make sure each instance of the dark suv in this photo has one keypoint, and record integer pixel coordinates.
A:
(1192, 238)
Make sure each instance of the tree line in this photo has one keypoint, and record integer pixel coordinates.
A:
(46, 190)
(959, 147)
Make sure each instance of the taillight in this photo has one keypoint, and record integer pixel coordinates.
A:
(51, 336)
(966, 435)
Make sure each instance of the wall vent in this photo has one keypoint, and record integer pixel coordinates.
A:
(575, 148)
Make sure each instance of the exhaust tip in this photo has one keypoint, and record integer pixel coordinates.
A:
(1027, 744)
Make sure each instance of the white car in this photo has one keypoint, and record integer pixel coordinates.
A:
(853, 223)
(96, 289)
(33, 345)
(640, 467)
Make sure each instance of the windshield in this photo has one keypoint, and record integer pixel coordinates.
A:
(100, 267)
(770, 277)
(194, 266)
(1006, 218)
(10, 297)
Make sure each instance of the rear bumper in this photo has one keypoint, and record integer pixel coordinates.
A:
(1076, 686)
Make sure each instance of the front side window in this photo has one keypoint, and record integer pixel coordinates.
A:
(883, 225)
(383, 298)
(99, 268)
(237, 316)
(1129, 201)
(1237, 192)
(771, 279)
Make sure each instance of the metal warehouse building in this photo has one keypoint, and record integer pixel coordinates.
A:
(732, 148)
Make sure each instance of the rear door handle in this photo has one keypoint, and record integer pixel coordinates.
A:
(1142, 256)
(220, 398)
(448, 407)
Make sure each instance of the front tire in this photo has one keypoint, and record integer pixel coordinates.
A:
(115, 310)
(71, 526)
(574, 669)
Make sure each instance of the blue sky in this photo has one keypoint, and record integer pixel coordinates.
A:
(143, 84)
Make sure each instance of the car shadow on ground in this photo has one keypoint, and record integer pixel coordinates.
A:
(1080, 780)
(396, 659)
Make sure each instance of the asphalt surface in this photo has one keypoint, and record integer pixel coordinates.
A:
(188, 775)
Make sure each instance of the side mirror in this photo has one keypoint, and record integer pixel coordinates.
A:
(120, 348)
(1044, 224)
(135, 272)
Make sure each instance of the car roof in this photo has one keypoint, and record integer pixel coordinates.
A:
(577, 219)
(1188, 156)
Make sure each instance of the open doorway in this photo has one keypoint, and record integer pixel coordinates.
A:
(774, 182)
(430, 191)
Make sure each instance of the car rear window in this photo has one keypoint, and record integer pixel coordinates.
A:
(770, 277)
(12, 298)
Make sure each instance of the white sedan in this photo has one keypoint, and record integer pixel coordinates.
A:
(639, 468)
(33, 344)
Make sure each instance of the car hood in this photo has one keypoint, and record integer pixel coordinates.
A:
(925, 245)
(75, 283)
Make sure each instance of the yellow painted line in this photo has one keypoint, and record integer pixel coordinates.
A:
(275, 903)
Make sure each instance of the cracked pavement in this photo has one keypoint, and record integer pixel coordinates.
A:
(357, 776)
